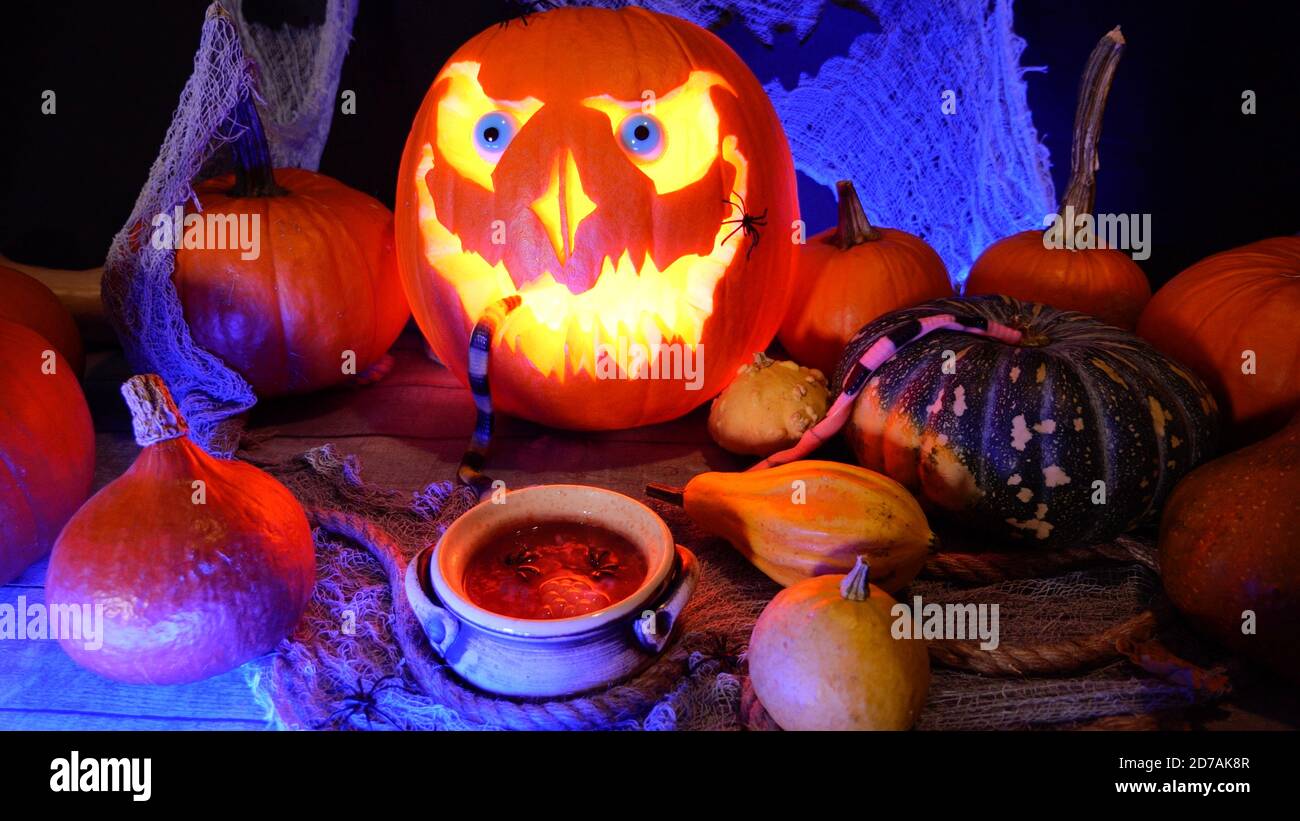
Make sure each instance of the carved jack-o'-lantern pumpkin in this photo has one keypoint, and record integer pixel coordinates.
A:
(624, 173)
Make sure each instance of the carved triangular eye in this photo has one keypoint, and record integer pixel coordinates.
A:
(474, 129)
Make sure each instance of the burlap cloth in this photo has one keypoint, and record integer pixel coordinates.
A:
(359, 660)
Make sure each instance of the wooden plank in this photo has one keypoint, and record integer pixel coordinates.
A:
(41, 686)
(411, 464)
(47, 720)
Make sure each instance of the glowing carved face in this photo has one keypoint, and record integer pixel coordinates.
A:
(607, 201)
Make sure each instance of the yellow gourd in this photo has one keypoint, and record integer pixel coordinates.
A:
(810, 518)
(768, 406)
(823, 657)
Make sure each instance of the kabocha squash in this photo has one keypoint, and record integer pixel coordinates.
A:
(1230, 550)
(27, 301)
(851, 274)
(1070, 436)
(823, 657)
(1101, 281)
(1232, 318)
(200, 564)
(47, 447)
(810, 518)
(624, 175)
(767, 406)
(320, 298)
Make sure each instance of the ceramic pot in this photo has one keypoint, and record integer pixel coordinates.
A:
(546, 658)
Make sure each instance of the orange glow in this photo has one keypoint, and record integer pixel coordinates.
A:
(559, 331)
(459, 111)
(690, 129)
(563, 206)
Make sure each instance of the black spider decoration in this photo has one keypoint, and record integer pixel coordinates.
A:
(363, 700)
(746, 223)
(718, 646)
(521, 10)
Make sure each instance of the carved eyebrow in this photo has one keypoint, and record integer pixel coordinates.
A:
(697, 82)
(468, 71)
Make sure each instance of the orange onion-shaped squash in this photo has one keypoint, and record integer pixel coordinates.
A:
(1232, 318)
(47, 447)
(1103, 282)
(199, 564)
(851, 274)
(318, 292)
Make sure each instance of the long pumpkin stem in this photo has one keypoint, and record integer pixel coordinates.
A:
(1093, 90)
(853, 228)
(857, 585)
(254, 174)
(666, 493)
(154, 415)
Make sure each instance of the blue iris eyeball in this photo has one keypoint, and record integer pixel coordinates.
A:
(494, 132)
(642, 135)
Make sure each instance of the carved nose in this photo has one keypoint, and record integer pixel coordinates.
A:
(564, 205)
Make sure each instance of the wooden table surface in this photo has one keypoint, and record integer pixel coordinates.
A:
(420, 419)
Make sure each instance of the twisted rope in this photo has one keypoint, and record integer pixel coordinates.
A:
(1054, 658)
(1045, 658)
(990, 568)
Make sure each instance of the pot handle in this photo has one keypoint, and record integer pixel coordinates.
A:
(653, 627)
(439, 625)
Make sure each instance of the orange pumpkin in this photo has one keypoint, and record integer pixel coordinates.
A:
(28, 301)
(850, 275)
(1230, 545)
(47, 447)
(321, 293)
(1103, 282)
(617, 170)
(200, 564)
(1231, 317)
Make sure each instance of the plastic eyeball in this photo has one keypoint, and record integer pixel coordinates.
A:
(494, 132)
(642, 136)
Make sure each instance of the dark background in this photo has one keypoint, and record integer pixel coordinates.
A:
(1175, 144)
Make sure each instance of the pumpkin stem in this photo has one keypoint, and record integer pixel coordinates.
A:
(666, 493)
(1093, 90)
(854, 228)
(857, 585)
(254, 174)
(154, 415)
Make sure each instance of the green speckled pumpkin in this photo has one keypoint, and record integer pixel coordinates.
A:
(1070, 437)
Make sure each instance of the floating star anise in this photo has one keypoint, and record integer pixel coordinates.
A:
(524, 561)
(600, 562)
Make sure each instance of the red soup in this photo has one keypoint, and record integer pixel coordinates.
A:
(553, 570)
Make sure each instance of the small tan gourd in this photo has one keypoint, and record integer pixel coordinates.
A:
(768, 406)
(823, 657)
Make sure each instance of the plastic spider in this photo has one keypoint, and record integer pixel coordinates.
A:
(746, 223)
(364, 701)
(521, 10)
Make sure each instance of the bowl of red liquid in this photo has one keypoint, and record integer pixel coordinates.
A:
(552, 590)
